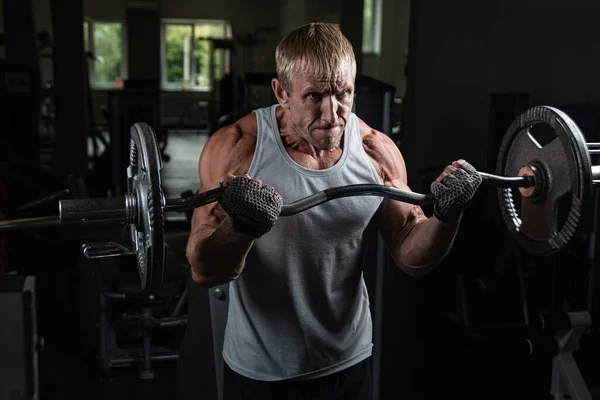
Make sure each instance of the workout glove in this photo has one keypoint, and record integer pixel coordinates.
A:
(251, 207)
(454, 192)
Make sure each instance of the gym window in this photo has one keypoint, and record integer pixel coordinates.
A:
(104, 42)
(371, 42)
(186, 50)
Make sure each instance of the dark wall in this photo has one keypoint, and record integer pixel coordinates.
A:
(466, 51)
(143, 41)
(463, 58)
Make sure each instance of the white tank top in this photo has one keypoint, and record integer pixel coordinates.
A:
(300, 308)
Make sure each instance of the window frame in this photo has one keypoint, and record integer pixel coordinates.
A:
(96, 85)
(178, 87)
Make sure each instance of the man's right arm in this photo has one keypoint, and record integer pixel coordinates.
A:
(215, 251)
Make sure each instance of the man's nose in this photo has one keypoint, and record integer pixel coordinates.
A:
(329, 109)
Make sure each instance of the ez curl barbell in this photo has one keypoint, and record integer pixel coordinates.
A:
(543, 155)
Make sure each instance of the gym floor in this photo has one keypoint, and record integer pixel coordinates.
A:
(66, 371)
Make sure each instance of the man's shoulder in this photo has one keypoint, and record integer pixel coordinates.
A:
(244, 128)
(372, 139)
(383, 152)
(229, 150)
(239, 136)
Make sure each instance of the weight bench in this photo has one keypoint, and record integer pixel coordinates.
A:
(138, 328)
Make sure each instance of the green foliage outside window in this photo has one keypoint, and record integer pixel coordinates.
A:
(108, 49)
(368, 16)
(187, 53)
(86, 41)
(175, 37)
(202, 53)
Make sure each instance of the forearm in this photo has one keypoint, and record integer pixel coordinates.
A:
(428, 242)
(217, 256)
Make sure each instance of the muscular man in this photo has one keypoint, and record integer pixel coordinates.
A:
(299, 324)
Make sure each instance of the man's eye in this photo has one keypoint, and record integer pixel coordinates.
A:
(315, 96)
(343, 94)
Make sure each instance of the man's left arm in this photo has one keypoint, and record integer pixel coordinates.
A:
(417, 243)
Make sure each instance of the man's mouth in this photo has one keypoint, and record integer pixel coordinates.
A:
(326, 128)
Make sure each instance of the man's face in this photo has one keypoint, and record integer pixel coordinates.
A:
(320, 107)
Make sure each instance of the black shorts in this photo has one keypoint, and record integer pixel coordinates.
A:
(353, 383)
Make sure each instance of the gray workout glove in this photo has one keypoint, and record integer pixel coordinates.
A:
(251, 207)
(454, 192)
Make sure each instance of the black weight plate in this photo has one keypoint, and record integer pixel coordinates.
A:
(147, 228)
(550, 139)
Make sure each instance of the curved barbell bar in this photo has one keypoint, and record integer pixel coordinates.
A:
(121, 209)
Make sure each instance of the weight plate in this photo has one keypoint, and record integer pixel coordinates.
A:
(147, 226)
(549, 139)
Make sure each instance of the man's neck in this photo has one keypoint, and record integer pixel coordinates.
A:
(301, 151)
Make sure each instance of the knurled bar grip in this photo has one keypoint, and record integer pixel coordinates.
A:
(100, 209)
(79, 212)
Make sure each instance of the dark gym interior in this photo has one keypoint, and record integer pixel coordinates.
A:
(445, 80)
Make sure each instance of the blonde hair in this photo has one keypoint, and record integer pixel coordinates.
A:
(318, 49)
